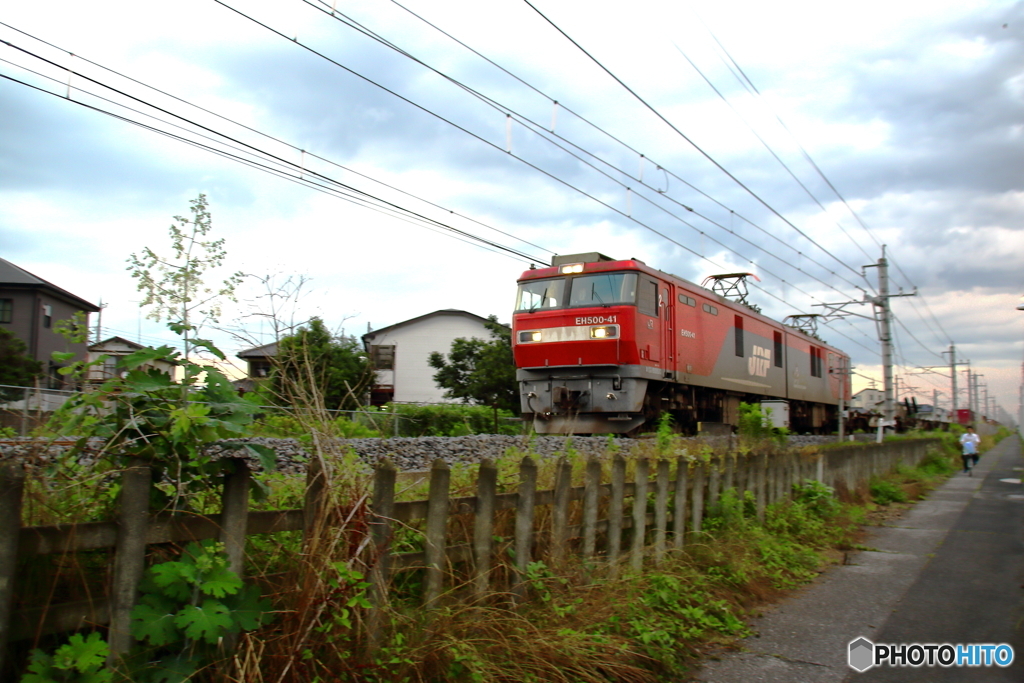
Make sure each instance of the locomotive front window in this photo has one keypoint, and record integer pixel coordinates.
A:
(541, 294)
(603, 289)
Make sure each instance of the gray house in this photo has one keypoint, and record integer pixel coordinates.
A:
(29, 307)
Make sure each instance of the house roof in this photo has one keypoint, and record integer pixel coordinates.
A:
(369, 336)
(119, 340)
(265, 351)
(15, 277)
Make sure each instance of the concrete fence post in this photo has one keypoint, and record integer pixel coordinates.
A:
(714, 481)
(524, 524)
(729, 479)
(679, 503)
(436, 526)
(12, 486)
(639, 515)
(483, 526)
(560, 512)
(235, 514)
(697, 519)
(591, 491)
(760, 474)
(660, 511)
(129, 556)
(615, 513)
(315, 503)
(382, 512)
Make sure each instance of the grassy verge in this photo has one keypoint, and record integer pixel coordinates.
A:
(649, 627)
(576, 626)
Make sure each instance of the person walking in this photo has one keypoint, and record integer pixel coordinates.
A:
(969, 443)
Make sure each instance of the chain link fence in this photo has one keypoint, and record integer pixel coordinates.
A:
(23, 409)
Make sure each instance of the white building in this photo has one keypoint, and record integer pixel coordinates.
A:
(868, 399)
(113, 349)
(401, 352)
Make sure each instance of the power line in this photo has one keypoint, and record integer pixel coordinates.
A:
(550, 175)
(690, 141)
(544, 134)
(768, 147)
(250, 146)
(360, 195)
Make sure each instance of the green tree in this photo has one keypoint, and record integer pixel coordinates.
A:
(16, 368)
(318, 368)
(480, 371)
(174, 286)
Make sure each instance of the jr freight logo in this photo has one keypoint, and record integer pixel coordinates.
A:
(863, 654)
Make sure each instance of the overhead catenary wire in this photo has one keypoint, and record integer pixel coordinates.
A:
(768, 147)
(276, 139)
(745, 80)
(564, 182)
(293, 179)
(547, 134)
(693, 144)
(362, 195)
(295, 165)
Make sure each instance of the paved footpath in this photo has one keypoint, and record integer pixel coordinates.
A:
(951, 570)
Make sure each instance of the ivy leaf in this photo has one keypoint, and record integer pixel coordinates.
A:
(87, 654)
(178, 668)
(148, 380)
(154, 623)
(41, 668)
(266, 455)
(208, 622)
(248, 610)
(220, 581)
(175, 579)
(145, 356)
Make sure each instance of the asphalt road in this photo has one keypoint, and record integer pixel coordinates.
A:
(951, 570)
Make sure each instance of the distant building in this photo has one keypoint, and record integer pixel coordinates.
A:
(400, 354)
(868, 399)
(29, 307)
(259, 360)
(113, 349)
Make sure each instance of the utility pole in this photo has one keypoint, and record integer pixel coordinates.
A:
(977, 395)
(844, 373)
(952, 374)
(99, 322)
(883, 323)
(883, 320)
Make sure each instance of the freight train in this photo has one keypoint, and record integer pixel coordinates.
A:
(604, 346)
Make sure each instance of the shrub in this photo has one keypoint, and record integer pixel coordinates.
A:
(456, 419)
(884, 492)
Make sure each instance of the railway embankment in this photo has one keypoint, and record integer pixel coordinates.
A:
(407, 453)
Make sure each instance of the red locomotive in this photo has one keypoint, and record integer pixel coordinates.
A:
(605, 346)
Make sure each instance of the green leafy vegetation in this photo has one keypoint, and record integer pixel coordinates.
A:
(187, 607)
(174, 285)
(317, 368)
(80, 660)
(146, 414)
(480, 371)
(17, 369)
(756, 425)
(578, 625)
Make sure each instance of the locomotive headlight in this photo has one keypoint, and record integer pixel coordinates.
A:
(531, 336)
(571, 268)
(604, 332)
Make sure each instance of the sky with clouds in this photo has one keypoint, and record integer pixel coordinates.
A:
(789, 139)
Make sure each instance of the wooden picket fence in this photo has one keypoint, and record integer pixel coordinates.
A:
(682, 491)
